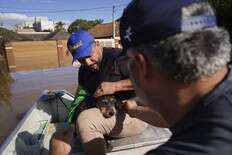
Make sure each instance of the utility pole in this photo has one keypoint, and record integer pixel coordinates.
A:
(113, 15)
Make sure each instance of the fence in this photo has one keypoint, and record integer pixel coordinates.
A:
(30, 55)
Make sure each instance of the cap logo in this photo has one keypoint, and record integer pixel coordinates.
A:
(128, 34)
(198, 22)
(77, 45)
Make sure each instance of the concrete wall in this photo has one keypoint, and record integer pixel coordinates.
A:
(30, 55)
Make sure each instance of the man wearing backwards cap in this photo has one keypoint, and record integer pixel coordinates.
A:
(178, 62)
(102, 72)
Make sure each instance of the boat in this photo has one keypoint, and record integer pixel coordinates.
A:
(49, 114)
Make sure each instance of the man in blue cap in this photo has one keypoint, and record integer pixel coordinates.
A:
(178, 63)
(102, 72)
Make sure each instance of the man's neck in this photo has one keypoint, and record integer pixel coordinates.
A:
(184, 97)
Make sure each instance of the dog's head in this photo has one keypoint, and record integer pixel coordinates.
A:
(107, 105)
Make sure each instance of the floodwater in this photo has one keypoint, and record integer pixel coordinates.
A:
(26, 89)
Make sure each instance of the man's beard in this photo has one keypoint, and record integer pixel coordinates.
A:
(95, 67)
(139, 92)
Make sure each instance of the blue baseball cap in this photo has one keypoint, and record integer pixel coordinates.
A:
(80, 44)
(154, 20)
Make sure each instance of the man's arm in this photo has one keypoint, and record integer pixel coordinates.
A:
(123, 85)
(144, 113)
(106, 88)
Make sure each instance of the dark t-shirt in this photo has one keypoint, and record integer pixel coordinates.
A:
(111, 69)
(207, 129)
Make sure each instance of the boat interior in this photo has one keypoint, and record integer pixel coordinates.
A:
(49, 114)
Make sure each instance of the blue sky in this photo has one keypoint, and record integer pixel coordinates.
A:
(19, 10)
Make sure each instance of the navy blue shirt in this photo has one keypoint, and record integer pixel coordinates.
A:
(111, 69)
(207, 129)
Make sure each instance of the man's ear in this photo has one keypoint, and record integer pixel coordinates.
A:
(142, 65)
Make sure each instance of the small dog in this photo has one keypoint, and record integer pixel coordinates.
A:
(108, 105)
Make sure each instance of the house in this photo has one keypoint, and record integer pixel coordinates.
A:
(43, 24)
(103, 33)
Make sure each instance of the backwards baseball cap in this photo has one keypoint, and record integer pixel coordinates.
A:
(154, 20)
(80, 44)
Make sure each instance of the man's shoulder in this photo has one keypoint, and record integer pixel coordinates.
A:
(220, 99)
(206, 129)
(111, 53)
(209, 117)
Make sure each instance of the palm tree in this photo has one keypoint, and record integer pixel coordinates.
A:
(59, 26)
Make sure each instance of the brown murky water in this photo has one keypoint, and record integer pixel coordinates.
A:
(26, 89)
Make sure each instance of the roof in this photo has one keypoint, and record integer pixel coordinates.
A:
(104, 30)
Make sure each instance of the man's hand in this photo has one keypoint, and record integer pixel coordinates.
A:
(105, 88)
(130, 106)
(144, 113)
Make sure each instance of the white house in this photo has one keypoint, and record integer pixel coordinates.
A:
(43, 23)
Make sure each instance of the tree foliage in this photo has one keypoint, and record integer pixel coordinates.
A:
(5, 78)
(47, 30)
(8, 35)
(59, 26)
(223, 10)
(83, 24)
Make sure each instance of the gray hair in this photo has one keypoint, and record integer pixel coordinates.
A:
(190, 55)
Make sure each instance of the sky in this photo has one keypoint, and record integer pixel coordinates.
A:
(14, 12)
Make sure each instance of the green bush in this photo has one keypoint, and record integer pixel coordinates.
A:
(7, 35)
(83, 24)
(5, 79)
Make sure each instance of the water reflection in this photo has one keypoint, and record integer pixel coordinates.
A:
(26, 89)
(5, 82)
(5, 93)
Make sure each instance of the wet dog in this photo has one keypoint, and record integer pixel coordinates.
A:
(108, 105)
